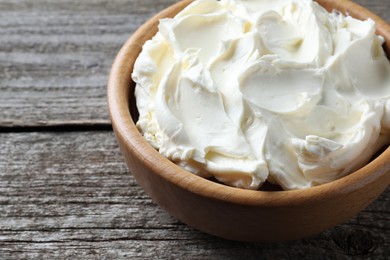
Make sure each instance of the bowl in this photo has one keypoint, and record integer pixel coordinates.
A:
(227, 212)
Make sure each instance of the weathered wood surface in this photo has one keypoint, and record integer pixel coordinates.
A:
(67, 194)
(70, 195)
(55, 56)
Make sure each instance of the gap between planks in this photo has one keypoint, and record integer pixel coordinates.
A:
(57, 127)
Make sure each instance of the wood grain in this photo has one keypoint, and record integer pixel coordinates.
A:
(55, 56)
(70, 195)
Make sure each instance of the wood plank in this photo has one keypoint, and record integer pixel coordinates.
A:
(70, 195)
(379, 7)
(55, 56)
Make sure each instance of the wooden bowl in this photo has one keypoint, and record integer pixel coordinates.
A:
(227, 212)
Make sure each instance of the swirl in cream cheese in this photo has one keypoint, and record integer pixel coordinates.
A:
(254, 90)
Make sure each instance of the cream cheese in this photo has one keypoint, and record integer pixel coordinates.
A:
(254, 90)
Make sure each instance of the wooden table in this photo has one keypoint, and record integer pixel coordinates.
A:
(65, 191)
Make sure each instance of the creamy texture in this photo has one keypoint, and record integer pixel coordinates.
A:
(254, 90)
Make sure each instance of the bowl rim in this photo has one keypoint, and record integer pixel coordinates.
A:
(125, 129)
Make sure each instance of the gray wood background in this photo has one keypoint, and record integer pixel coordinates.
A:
(65, 191)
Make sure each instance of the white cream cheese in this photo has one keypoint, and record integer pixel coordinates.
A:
(254, 90)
